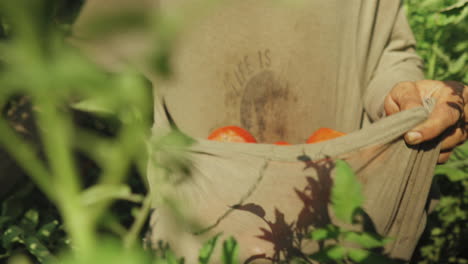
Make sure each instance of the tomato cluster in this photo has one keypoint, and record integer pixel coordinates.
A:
(238, 134)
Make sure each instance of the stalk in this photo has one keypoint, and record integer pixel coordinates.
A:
(55, 134)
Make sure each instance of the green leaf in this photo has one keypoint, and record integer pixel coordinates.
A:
(366, 240)
(172, 157)
(30, 220)
(366, 257)
(13, 234)
(230, 251)
(207, 250)
(98, 105)
(171, 258)
(329, 254)
(329, 232)
(457, 6)
(436, 231)
(462, 46)
(36, 248)
(459, 64)
(346, 195)
(453, 174)
(100, 193)
(441, 54)
(46, 230)
(336, 252)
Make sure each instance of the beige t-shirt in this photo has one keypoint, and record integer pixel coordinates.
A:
(281, 71)
(269, 66)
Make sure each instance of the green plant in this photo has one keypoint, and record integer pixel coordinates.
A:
(40, 65)
(446, 238)
(23, 224)
(349, 238)
(347, 201)
(440, 29)
(37, 62)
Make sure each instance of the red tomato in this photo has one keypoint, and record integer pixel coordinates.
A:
(232, 134)
(282, 143)
(323, 134)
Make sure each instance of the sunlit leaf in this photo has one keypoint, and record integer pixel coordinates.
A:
(441, 54)
(329, 232)
(366, 257)
(436, 232)
(13, 234)
(93, 106)
(207, 250)
(346, 192)
(36, 248)
(454, 174)
(46, 230)
(30, 220)
(455, 8)
(171, 258)
(230, 251)
(459, 64)
(329, 254)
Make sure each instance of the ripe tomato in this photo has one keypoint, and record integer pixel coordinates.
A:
(323, 134)
(282, 143)
(232, 134)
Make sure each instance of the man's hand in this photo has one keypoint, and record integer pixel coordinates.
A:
(449, 119)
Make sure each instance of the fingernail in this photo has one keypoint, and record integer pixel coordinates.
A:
(413, 137)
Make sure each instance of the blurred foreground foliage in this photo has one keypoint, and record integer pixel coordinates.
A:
(78, 168)
(87, 202)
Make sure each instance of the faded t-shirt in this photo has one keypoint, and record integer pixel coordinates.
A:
(281, 70)
(270, 65)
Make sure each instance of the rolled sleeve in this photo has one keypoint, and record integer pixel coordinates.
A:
(398, 62)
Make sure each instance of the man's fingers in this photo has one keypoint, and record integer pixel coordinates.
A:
(447, 120)
(403, 96)
(446, 113)
(454, 139)
(390, 106)
(444, 156)
(441, 118)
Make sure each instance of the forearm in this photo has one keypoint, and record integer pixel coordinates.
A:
(397, 63)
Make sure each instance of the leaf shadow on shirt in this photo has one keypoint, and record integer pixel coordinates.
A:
(287, 238)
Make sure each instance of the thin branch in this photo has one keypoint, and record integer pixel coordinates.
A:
(135, 229)
(27, 158)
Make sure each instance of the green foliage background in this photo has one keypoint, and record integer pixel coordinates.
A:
(440, 28)
(98, 162)
(441, 31)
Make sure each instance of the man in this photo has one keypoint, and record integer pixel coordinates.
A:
(378, 35)
(281, 70)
